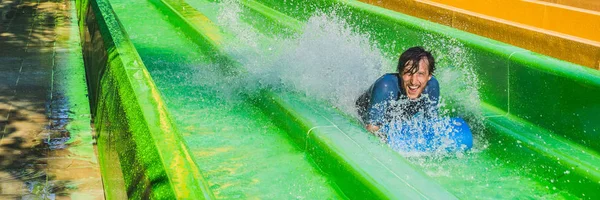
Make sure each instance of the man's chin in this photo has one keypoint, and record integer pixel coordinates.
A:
(413, 97)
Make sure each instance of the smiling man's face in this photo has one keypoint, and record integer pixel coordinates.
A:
(414, 82)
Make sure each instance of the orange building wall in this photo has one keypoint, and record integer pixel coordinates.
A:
(583, 4)
(550, 16)
(521, 33)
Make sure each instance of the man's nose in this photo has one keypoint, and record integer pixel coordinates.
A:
(413, 79)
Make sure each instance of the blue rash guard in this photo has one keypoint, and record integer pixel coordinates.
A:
(376, 106)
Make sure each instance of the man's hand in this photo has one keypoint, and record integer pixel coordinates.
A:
(372, 128)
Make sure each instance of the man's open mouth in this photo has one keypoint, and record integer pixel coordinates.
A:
(413, 88)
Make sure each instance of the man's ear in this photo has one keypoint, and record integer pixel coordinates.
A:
(429, 77)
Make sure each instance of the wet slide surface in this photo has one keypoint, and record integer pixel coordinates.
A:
(239, 151)
(487, 173)
(244, 155)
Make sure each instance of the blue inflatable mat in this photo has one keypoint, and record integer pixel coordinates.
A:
(431, 135)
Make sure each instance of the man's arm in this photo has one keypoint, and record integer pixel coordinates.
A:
(383, 90)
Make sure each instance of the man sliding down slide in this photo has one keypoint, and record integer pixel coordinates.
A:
(412, 93)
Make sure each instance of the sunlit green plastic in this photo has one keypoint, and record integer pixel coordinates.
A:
(226, 148)
(512, 79)
(358, 173)
(532, 101)
(538, 107)
(141, 153)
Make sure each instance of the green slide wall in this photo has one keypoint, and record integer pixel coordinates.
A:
(546, 105)
(141, 153)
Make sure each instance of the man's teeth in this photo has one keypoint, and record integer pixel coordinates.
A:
(413, 87)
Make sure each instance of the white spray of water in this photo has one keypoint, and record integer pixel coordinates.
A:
(327, 60)
(330, 61)
(460, 85)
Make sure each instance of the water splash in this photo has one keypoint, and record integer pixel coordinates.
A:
(331, 61)
(460, 91)
(327, 60)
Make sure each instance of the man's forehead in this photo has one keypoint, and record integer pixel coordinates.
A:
(423, 60)
(423, 65)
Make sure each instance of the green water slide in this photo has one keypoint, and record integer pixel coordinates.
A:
(181, 112)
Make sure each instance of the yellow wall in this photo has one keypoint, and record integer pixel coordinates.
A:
(550, 16)
(522, 32)
(583, 4)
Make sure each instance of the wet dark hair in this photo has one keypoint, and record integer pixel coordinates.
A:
(415, 54)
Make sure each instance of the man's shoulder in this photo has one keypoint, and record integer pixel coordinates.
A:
(433, 88)
(433, 81)
(389, 78)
